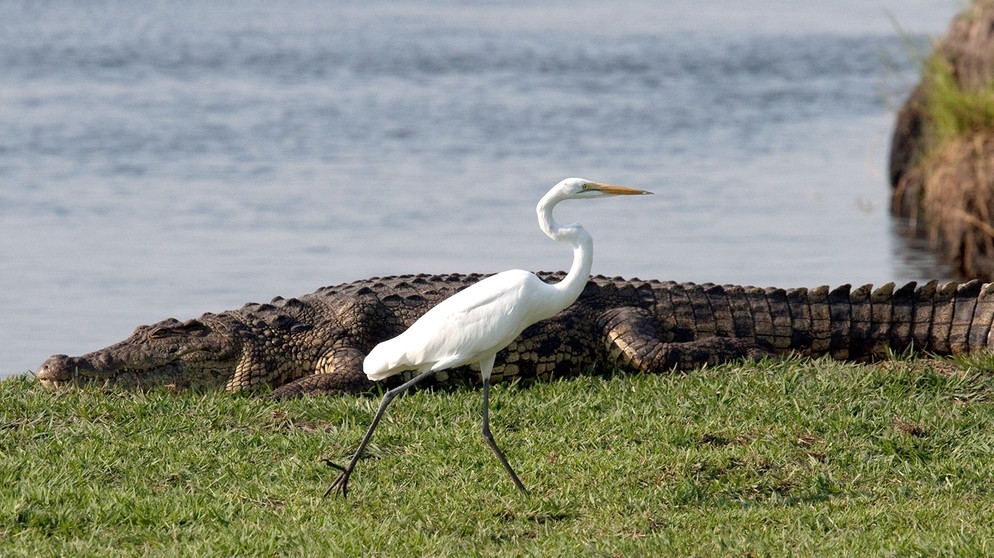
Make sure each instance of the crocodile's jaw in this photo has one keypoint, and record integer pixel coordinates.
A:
(181, 354)
(62, 370)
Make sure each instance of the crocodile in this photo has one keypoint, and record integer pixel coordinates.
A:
(316, 343)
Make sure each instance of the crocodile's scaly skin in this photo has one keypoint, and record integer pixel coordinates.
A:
(316, 343)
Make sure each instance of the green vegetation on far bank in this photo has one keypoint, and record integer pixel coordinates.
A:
(955, 112)
(802, 457)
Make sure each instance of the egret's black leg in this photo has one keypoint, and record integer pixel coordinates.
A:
(341, 483)
(487, 367)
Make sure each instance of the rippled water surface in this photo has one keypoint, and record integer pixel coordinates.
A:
(169, 158)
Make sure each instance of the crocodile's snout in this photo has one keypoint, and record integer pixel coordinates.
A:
(55, 371)
(62, 369)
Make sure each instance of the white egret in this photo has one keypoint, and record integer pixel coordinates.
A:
(474, 324)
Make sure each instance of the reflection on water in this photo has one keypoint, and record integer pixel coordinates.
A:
(912, 251)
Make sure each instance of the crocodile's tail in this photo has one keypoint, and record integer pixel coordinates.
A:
(696, 324)
(845, 323)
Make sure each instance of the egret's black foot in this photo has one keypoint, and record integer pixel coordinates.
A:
(341, 483)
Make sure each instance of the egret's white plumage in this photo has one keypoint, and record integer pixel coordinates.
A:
(477, 321)
(471, 326)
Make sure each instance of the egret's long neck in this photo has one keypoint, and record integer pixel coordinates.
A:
(579, 239)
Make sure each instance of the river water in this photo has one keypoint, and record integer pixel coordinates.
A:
(167, 158)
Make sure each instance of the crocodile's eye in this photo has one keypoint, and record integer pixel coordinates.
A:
(175, 328)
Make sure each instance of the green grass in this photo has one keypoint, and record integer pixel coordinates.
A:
(955, 112)
(791, 458)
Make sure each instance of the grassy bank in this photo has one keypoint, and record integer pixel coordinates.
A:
(942, 158)
(792, 458)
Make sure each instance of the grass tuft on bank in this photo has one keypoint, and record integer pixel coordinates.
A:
(799, 457)
(954, 111)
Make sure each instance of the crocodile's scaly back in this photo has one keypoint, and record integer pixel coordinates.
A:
(316, 343)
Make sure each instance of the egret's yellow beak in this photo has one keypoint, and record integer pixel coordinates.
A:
(612, 190)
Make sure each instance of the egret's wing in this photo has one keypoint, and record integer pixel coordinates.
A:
(478, 320)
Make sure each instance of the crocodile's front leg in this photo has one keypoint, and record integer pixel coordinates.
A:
(635, 340)
(337, 371)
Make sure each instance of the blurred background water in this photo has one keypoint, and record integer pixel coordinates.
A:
(167, 158)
